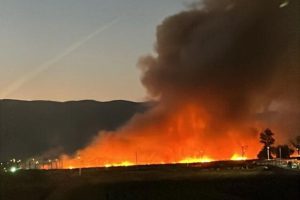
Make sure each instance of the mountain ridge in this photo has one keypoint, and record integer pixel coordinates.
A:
(38, 127)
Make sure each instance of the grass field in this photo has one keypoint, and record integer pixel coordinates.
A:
(153, 182)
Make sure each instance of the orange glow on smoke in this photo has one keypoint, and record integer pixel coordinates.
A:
(182, 135)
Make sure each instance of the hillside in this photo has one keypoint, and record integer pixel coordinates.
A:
(30, 128)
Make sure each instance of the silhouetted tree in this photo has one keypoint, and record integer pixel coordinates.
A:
(263, 153)
(284, 150)
(266, 138)
(296, 144)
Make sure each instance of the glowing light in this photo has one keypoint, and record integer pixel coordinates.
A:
(284, 4)
(238, 157)
(122, 164)
(126, 163)
(196, 160)
(13, 169)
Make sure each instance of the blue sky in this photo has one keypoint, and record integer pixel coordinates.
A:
(77, 49)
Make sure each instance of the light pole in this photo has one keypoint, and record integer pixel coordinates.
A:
(268, 152)
(280, 153)
(50, 164)
(79, 172)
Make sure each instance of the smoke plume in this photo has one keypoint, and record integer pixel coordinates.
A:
(222, 71)
(232, 58)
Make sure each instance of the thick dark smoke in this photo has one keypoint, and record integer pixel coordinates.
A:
(221, 71)
(237, 59)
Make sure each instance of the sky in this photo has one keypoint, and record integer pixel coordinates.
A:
(77, 49)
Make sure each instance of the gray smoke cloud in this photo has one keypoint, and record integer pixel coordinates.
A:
(237, 59)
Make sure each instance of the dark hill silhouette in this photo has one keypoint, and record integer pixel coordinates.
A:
(30, 128)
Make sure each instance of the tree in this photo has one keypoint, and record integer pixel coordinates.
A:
(266, 138)
(296, 144)
(283, 151)
(263, 153)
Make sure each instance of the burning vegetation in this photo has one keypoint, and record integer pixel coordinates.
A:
(220, 70)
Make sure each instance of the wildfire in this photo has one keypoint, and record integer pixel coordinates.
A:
(196, 160)
(122, 164)
(181, 137)
(238, 157)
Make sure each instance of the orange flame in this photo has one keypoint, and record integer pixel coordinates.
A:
(122, 164)
(180, 136)
(196, 160)
(238, 157)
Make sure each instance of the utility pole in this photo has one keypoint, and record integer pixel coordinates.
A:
(268, 152)
(244, 147)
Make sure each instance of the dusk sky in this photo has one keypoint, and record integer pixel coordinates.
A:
(77, 49)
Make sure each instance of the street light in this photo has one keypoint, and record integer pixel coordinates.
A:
(280, 153)
(13, 169)
(50, 164)
(80, 162)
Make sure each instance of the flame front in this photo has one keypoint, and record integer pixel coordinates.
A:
(122, 164)
(181, 137)
(238, 157)
(196, 160)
